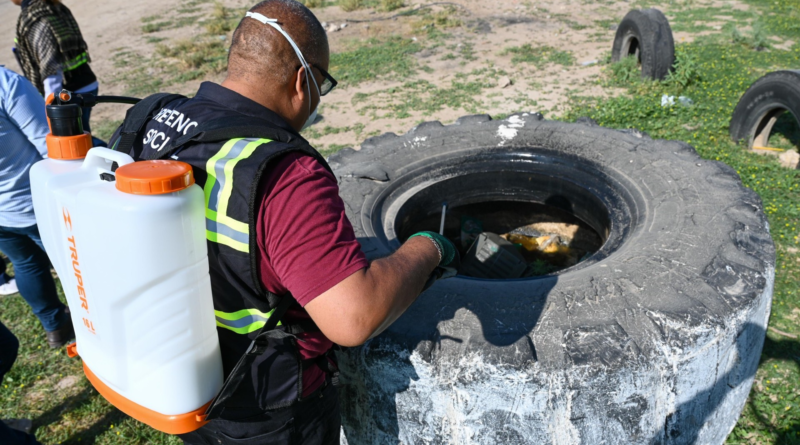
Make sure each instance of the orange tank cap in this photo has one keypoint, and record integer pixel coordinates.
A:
(68, 148)
(154, 177)
(170, 424)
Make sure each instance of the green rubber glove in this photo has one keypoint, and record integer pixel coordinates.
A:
(450, 259)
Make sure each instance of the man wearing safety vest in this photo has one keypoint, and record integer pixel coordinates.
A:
(280, 245)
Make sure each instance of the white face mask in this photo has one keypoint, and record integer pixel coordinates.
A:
(312, 115)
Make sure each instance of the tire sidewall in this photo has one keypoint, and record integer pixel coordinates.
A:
(775, 90)
(656, 46)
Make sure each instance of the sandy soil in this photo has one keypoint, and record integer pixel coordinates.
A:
(110, 26)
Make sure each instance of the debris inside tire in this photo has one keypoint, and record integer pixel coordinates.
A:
(493, 257)
(545, 238)
(470, 229)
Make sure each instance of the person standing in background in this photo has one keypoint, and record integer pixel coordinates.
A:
(23, 128)
(52, 53)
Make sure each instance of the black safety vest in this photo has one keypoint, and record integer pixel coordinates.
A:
(229, 156)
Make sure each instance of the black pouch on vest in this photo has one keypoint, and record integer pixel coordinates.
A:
(273, 373)
(270, 369)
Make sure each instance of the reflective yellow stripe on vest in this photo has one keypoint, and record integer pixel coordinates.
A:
(76, 62)
(244, 321)
(220, 228)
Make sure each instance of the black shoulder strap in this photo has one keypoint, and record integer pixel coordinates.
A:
(137, 116)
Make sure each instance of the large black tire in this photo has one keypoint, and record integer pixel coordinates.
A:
(653, 340)
(762, 104)
(646, 34)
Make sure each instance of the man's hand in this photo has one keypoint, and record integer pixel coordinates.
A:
(364, 304)
(449, 259)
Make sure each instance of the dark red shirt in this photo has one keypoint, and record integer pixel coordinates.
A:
(306, 243)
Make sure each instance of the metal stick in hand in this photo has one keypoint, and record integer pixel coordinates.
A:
(444, 212)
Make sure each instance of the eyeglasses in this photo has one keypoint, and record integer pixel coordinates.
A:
(328, 84)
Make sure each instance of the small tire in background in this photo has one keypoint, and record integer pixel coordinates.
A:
(646, 35)
(761, 106)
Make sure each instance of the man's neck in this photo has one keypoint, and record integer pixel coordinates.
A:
(245, 90)
(261, 96)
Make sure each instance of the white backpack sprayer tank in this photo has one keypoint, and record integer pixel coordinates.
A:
(128, 242)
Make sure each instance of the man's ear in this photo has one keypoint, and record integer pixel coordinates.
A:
(299, 81)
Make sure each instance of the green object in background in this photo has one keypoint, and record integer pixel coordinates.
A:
(470, 229)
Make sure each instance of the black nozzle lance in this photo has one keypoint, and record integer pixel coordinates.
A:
(65, 120)
(88, 100)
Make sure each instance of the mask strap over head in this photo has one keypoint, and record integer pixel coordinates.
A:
(274, 23)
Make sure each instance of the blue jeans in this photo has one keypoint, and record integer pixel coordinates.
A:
(8, 354)
(87, 112)
(32, 271)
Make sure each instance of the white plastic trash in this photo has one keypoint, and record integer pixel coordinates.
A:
(130, 249)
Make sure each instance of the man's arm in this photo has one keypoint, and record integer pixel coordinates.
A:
(368, 301)
(25, 108)
(310, 250)
(45, 49)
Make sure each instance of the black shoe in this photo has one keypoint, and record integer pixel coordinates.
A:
(61, 336)
(24, 425)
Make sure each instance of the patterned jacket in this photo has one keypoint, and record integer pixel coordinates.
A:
(49, 40)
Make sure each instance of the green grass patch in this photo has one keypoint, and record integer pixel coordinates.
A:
(157, 26)
(628, 73)
(105, 129)
(606, 23)
(539, 56)
(380, 5)
(222, 20)
(136, 79)
(432, 21)
(465, 92)
(314, 133)
(205, 56)
(698, 19)
(786, 132)
(367, 60)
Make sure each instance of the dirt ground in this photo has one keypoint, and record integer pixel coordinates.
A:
(586, 29)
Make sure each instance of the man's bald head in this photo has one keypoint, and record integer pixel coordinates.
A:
(261, 54)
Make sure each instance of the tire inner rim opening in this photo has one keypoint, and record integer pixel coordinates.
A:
(554, 212)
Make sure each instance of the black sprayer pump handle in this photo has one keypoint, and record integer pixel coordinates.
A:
(66, 110)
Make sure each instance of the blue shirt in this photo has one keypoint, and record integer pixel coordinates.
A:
(23, 128)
